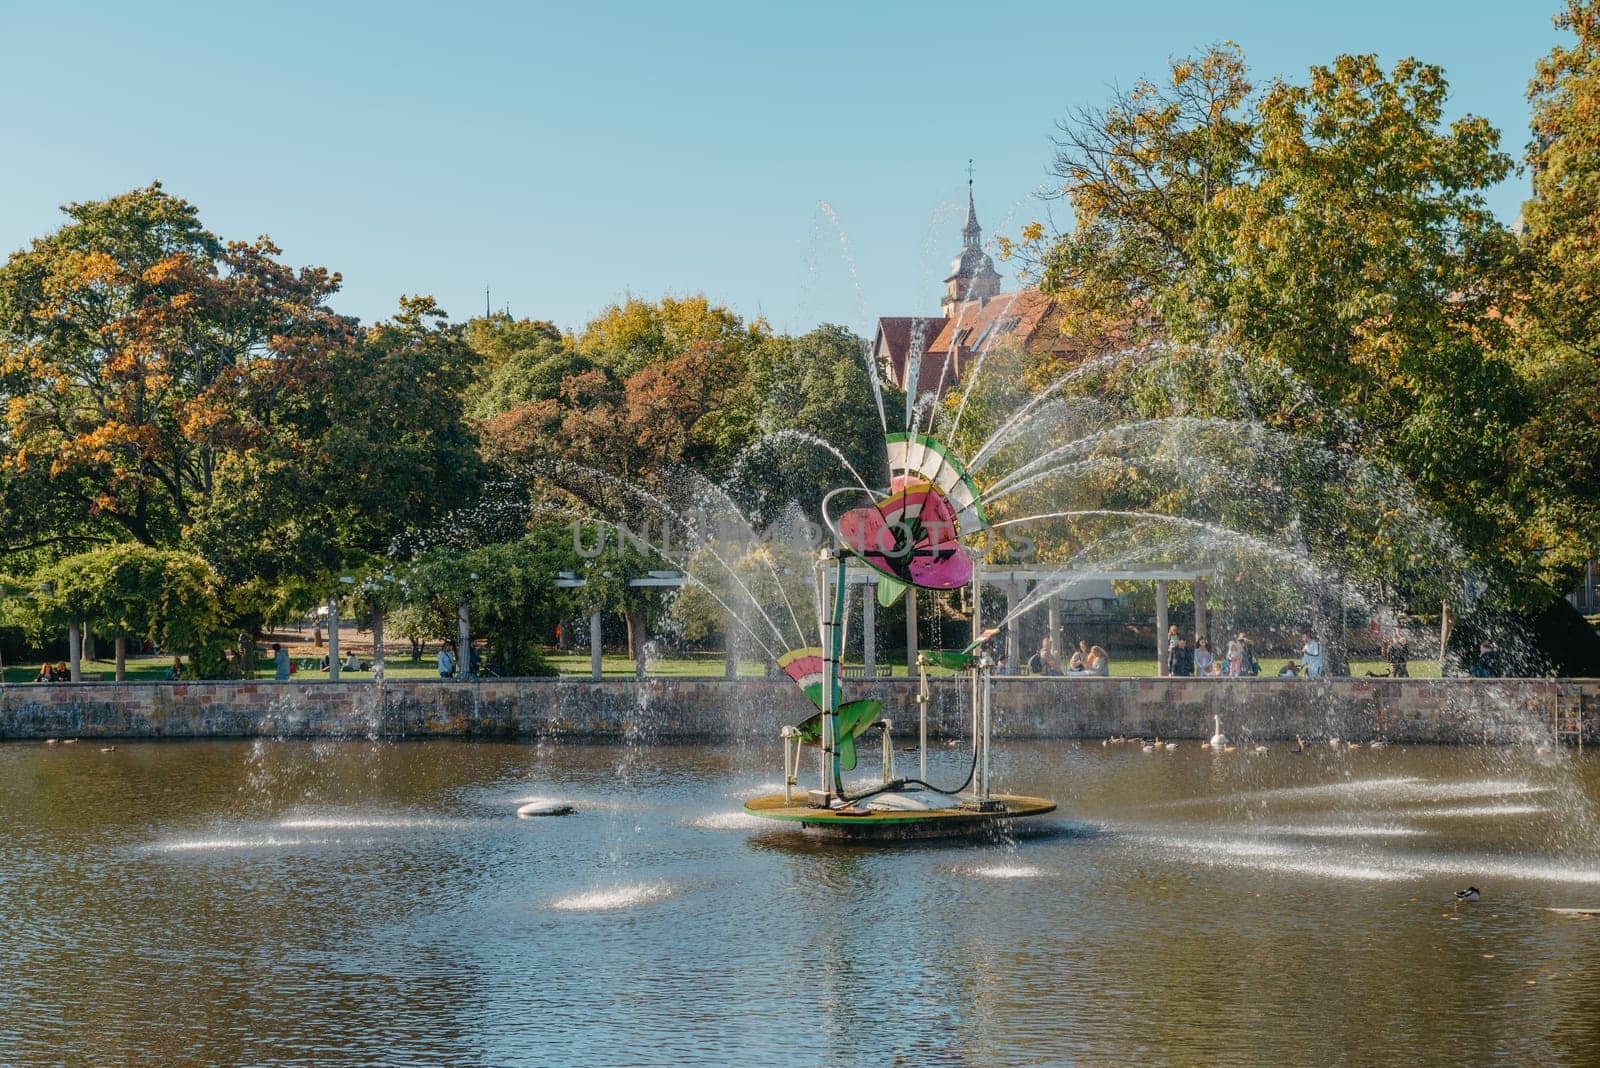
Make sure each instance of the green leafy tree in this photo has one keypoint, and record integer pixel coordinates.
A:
(1559, 447)
(510, 591)
(1334, 234)
(135, 592)
(122, 337)
(813, 386)
(1563, 218)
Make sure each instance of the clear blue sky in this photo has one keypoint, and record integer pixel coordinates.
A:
(569, 153)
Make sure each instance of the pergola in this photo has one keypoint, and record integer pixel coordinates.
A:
(567, 580)
(1016, 581)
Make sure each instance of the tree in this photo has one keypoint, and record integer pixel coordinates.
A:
(1559, 447)
(1335, 235)
(132, 591)
(523, 363)
(1143, 177)
(814, 386)
(510, 590)
(332, 461)
(122, 336)
(1563, 218)
(632, 335)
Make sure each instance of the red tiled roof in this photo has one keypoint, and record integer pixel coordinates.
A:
(897, 337)
(1027, 317)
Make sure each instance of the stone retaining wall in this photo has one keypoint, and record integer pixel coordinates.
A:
(1413, 710)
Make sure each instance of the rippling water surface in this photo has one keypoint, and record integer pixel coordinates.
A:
(301, 903)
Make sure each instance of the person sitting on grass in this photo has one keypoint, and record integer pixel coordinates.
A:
(352, 662)
(1290, 670)
(46, 673)
(1099, 662)
(176, 670)
(1080, 657)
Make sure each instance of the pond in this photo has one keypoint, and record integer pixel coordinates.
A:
(299, 902)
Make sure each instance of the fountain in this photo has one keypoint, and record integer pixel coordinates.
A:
(912, 538)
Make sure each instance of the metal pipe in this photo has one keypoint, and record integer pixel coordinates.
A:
(922, 717)
(988, 701)
(827, 687)
(977, 735)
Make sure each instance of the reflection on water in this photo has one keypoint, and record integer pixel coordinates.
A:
(296, 903)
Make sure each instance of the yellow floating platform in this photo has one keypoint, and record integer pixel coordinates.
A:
(898, 825)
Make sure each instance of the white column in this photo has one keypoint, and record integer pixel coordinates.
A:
(730, 655)
(463, 640)
(1055, 630)
(122, 658)
(1013, 628)
(377, 644)
(869, 629)
(1199, 609)
(333, 639)
(75, 651)
(1162, 666)
(594, 645)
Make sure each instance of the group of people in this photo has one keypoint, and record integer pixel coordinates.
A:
(1239, 660)
(283, 666)
(1086, 659)
(54, 673)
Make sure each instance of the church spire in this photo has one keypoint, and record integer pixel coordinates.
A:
(972, 273)
(972, 233)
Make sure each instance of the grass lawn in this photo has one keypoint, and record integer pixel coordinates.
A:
(154, 669)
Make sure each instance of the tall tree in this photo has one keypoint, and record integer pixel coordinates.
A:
(1335, 230)
(1559, 448)
(1563, 218)
(120, 336)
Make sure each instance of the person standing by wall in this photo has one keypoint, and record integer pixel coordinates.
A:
(1311, 654)
(447, 663)
(1182, 659)
(280, 662)
(1235, 662)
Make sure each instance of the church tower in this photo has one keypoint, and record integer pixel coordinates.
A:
(972, 273)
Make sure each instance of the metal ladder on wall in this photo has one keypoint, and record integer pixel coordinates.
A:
(1567, 718)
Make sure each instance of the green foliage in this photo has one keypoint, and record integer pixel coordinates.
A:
(1335, 235)
(814, 385)
(636, 334)
(513, 603)
(524, 363)
(1563, 218)
(168, 387)
(136, 592)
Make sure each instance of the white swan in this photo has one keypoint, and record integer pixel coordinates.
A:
(1218, 740)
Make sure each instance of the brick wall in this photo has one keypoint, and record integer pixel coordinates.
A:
(752, 710)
